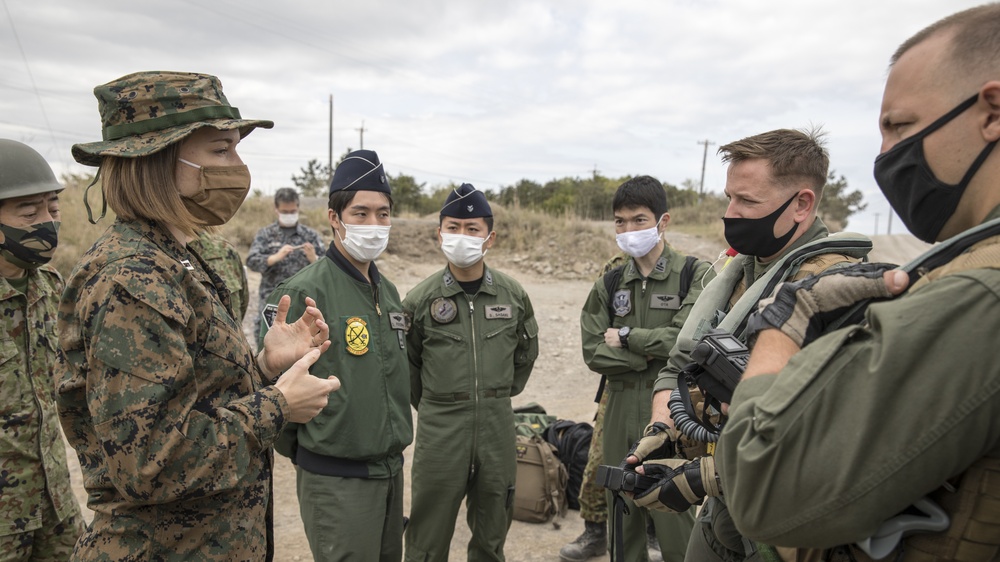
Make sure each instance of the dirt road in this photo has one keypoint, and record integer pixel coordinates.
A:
(560, 382)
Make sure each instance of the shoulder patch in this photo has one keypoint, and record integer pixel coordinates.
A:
(268, 314)
(622, 302)
(443, 310)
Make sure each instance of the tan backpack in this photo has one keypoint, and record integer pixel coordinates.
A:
(540, 489)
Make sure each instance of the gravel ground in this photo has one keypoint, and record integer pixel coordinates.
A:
(560, 382)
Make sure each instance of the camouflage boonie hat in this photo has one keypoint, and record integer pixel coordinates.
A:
(145, 112)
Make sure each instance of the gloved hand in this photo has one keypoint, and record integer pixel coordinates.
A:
(681, 484)
(657, 443)
(804, 310)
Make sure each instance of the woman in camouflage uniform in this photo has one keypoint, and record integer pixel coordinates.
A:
(170, 414)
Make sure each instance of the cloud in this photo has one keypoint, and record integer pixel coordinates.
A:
(475, 91)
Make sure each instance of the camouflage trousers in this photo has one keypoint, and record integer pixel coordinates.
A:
(53, 542)
(593, 503)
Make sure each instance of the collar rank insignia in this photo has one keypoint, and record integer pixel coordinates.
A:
(356, 336)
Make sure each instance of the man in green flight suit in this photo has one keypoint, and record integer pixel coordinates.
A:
(913, 393)
(631, 350)
(349, 458)
(774, 183)
(39, 516)
(472, 343)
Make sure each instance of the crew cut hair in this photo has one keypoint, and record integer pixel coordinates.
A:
(975, 43)
(286, 195)
(793, 155)
(641, 191)
(144, 188)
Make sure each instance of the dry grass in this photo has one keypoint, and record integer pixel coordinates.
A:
(558, 244)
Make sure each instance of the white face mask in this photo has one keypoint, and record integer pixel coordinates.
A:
(365, 242)
(638, 243)
(288, 220)
(461, 250)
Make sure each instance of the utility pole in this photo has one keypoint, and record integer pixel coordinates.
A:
(596, 171)
(329, 156)
(362, 131)
(889, 217)
(876, 224)
(704, 159)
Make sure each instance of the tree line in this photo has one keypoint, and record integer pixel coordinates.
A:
(587, 198)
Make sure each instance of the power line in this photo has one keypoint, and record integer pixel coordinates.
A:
(704, 159)
(31, 76)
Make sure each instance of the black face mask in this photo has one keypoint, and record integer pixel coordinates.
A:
(755, 237)
(923, 202)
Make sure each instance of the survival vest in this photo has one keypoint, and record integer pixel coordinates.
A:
(708, 311)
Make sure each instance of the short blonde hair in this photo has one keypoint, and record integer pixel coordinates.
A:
(794, 156)
(143, 188)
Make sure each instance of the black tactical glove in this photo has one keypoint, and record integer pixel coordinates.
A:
(657, 443)
(804, 310)
(681, 484)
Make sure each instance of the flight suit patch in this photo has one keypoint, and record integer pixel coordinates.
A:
(268, 314)
(665, 302)
(356, 336)
(443, 310)
(397, 320)
(400, 322)
(499, 311)
(622, 302)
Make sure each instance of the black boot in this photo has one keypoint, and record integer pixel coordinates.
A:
(593, 542)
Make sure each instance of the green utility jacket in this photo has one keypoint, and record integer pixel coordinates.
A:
(646, 306)
(161, 398)
(367, 423)
(867, 419)
(467, 346)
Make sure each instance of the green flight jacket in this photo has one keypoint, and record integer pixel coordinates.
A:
(463, 346)
(867, 419)
(649, 307)
(367, 423)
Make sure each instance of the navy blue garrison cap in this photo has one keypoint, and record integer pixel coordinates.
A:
(360, 171)
(466, 202)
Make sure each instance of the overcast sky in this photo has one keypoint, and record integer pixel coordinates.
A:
(480, 92)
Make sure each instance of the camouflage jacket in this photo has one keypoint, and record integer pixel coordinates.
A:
(267, 242)
(163, 401)
(32, 452)
(226, 261)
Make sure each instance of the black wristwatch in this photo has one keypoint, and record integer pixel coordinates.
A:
(623, 333)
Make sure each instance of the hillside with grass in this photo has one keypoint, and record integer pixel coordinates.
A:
(563, 246)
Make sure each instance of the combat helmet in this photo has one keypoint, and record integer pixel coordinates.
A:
(23, 171)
